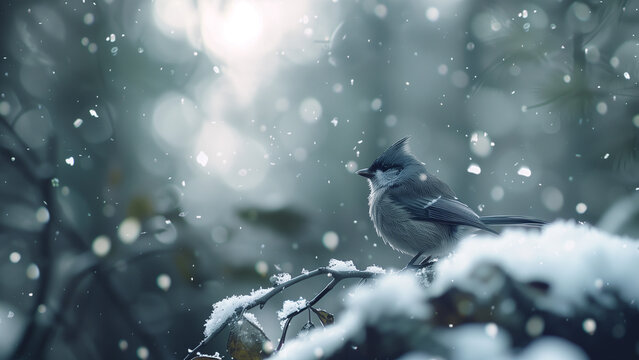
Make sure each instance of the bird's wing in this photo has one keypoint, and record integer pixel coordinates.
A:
(442, 210)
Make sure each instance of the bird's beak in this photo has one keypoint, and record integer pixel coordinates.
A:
(365, 173)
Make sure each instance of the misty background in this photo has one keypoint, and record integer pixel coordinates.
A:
(158, 156)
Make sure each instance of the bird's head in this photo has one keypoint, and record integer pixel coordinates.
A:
(390, 166)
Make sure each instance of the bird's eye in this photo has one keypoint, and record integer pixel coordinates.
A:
(391, 168)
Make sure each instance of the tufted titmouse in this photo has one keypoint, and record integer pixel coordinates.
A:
(415, 212)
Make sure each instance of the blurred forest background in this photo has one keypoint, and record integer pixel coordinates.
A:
(158, 156)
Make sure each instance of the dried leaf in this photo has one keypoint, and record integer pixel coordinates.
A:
(324, 316)
(248, 342)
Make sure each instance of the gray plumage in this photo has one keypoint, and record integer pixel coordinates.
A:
(415, 212)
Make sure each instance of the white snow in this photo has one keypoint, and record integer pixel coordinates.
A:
(288, 308)
(225, 308)
(524, 171)
(253, 320)
(338, 265)
(281, 278)
(375, 269)
(202, 158)
(551, 348)
(397, 294)
(470, 341)
(571, 258)
(474, 169)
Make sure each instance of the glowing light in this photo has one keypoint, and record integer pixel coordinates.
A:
(432, 14)
(235, 30)
(163, 281)
(261, 267)
(101, 245)
(480, 144)
(142, 353)
(33, 272)
(589, 325)
(42, 215)
(351, 166)
(552, 198)
(15, 257)
(330, 240)
(174, 14)
(311, 110)
(491, 329)
(581, 208)
(243, 25)
(129, 230)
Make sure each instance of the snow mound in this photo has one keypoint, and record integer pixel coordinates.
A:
(575, 261)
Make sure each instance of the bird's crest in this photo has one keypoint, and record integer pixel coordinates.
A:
(396, 155)
(400, 145)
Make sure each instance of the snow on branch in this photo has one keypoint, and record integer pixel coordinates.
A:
(225, 309)
(231, 308)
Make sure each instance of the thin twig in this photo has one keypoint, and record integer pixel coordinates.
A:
(261, 301)
(317, 298)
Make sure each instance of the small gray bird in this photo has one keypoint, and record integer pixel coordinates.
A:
(415, 212)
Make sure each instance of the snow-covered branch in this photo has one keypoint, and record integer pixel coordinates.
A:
(231, 308)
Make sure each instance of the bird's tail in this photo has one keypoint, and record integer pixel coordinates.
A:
(506, 220)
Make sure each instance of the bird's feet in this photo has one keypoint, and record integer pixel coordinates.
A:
(427, 263)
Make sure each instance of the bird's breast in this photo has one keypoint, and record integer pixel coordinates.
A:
(396, 227)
